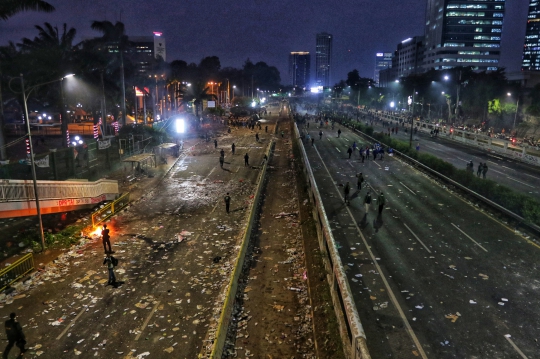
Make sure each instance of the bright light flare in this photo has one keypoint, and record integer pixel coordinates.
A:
(96, 232)
(180, 125)
(392, 104)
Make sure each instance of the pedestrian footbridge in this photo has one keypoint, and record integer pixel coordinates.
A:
(17, 197)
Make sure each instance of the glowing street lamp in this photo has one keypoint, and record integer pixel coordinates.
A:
(32, 162)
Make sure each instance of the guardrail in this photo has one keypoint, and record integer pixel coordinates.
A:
(228, 304)
(110, 209)
(351, 330)
(16, 270)
(23, 190)
(489, 202)
(527, 154)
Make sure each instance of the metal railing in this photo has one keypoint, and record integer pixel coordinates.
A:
(23, 190)
(522, 221)
(110, 209)
(16, 270)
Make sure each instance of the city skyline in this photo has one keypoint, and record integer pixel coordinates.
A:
(269, 31)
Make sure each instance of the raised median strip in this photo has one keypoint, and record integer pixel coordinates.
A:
(351, 330)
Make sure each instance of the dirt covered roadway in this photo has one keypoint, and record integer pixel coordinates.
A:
(283, 307)
(175, 246)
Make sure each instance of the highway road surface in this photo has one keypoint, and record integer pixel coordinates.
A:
(432, 277)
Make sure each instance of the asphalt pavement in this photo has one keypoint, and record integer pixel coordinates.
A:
(176, 247)
(433, 276)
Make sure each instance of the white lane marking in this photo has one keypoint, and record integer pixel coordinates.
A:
(418, 239)
(506, 167)
(408, 188)
(210, 173)
(377, 163)
(462, 159)
(495, 163)
(147, 320)
(72, 323)
(507, 336)
(346, 139)
(383, 277)
(338, 149)
(526, 184)
(466, 235)
(526, 174)
(349, 162)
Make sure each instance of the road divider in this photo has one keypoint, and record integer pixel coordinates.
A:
(218, 338)
(351, 330)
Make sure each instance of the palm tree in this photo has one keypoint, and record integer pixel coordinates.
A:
(115, 35)
(198, 94)
(51, 55)
(9, 8)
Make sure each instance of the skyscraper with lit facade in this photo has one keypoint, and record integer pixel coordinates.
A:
(299, 68)
(531, 50)
(463, 33)
(383, 60)
(323, 59)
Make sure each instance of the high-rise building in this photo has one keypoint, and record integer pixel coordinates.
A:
(463, 33)
(323, 59)
(299, 67)
(407, 60)
(531, 50)
(144, 50)
(383, 60)
(409, 56)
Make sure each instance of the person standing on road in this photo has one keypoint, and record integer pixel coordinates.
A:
(110, 267)
(363, 154)
(256, 137)
(338, 133)
(265, 128)
(346, 191)
(359, 181)
(349, 151)
(320, 135)
(106, 238)
(367, 152)
(312, 141)
(367, 201)
(222, 153)
(484, 170)
(381, 202)
(246, 160)
(282, 133)
(233, 147)
(15, 336)
(215, 143)
(221, 161)
(480, 168)
(227, 200)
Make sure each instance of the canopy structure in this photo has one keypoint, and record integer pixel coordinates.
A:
(143, 160)
(167, 149)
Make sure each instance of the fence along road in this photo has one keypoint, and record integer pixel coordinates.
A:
(18, 199)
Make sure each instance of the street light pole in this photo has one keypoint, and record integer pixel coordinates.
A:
(515, 116)
(412, 117)
(32, 163)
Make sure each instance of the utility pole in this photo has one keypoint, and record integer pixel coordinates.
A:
(457, 98)
(412, 117)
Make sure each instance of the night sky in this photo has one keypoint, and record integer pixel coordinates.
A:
(266, 30)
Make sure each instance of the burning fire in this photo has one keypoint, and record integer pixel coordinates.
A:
(96, 232)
